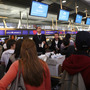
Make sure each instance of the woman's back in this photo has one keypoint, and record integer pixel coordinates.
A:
(11, 74)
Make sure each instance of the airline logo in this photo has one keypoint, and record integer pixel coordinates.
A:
(64, 13)
(79, 17)
(40, 7)
(34, 32)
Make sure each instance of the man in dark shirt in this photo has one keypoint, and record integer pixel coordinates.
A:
(40, 41)
(56, 43)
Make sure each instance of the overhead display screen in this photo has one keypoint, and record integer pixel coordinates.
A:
(34, 32)
(25, 32)
(39, 9)
(63, 15)
(78, 18)
(88, 21)
(2, 32)
(13, 32)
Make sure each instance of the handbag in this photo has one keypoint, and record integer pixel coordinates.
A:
(2, 70)
(18, 83)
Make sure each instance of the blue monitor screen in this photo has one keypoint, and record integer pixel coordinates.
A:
(39, 9)
(88, 21)
(78, 18)
(63, 15)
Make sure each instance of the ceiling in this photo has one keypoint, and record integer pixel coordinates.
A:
(11, 9)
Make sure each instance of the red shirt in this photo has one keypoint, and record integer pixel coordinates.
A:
(12, 72)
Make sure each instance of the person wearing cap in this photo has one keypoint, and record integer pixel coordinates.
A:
(40, 41)
(79, 62)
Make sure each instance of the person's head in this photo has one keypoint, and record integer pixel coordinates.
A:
(68, 36)
(33, 70)
(38, 29)
(82, 41)
(18, 48)
(11, 44)
(66, 42)
(56, 35)
(6, 40)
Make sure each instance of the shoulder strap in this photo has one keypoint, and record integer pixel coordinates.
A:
(20, 66)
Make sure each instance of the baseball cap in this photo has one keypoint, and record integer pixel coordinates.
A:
(82, 40)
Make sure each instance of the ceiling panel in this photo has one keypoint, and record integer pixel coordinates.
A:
(87, 2)
(12, 9)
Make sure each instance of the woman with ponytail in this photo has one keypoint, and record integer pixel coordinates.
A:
(35, 71)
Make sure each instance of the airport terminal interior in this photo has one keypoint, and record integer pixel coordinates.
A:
(49, 40)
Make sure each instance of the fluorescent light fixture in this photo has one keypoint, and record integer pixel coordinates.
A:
(85, 11)
(64, 1)
(3, 17)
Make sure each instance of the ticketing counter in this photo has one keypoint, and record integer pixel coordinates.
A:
(22, 33)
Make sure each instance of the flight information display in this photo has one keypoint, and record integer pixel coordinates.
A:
(88, 21)
(78, 18)
(63, 15)
(39, 9)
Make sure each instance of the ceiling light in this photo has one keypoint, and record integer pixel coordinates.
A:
(64, 1)
(77, 6)
(85, 10)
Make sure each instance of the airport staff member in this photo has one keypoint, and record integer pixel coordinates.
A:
(40, 41)
(56, 43)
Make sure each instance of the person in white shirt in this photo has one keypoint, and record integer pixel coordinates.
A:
(10, 50)
(4, 45)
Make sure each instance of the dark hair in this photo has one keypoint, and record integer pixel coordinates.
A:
(82, 41)
(33, 69)
(56, 33)
(18, 48)
(68, 36)
(10, 43)
(37, 27)
(6, 40)
(66, 41)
